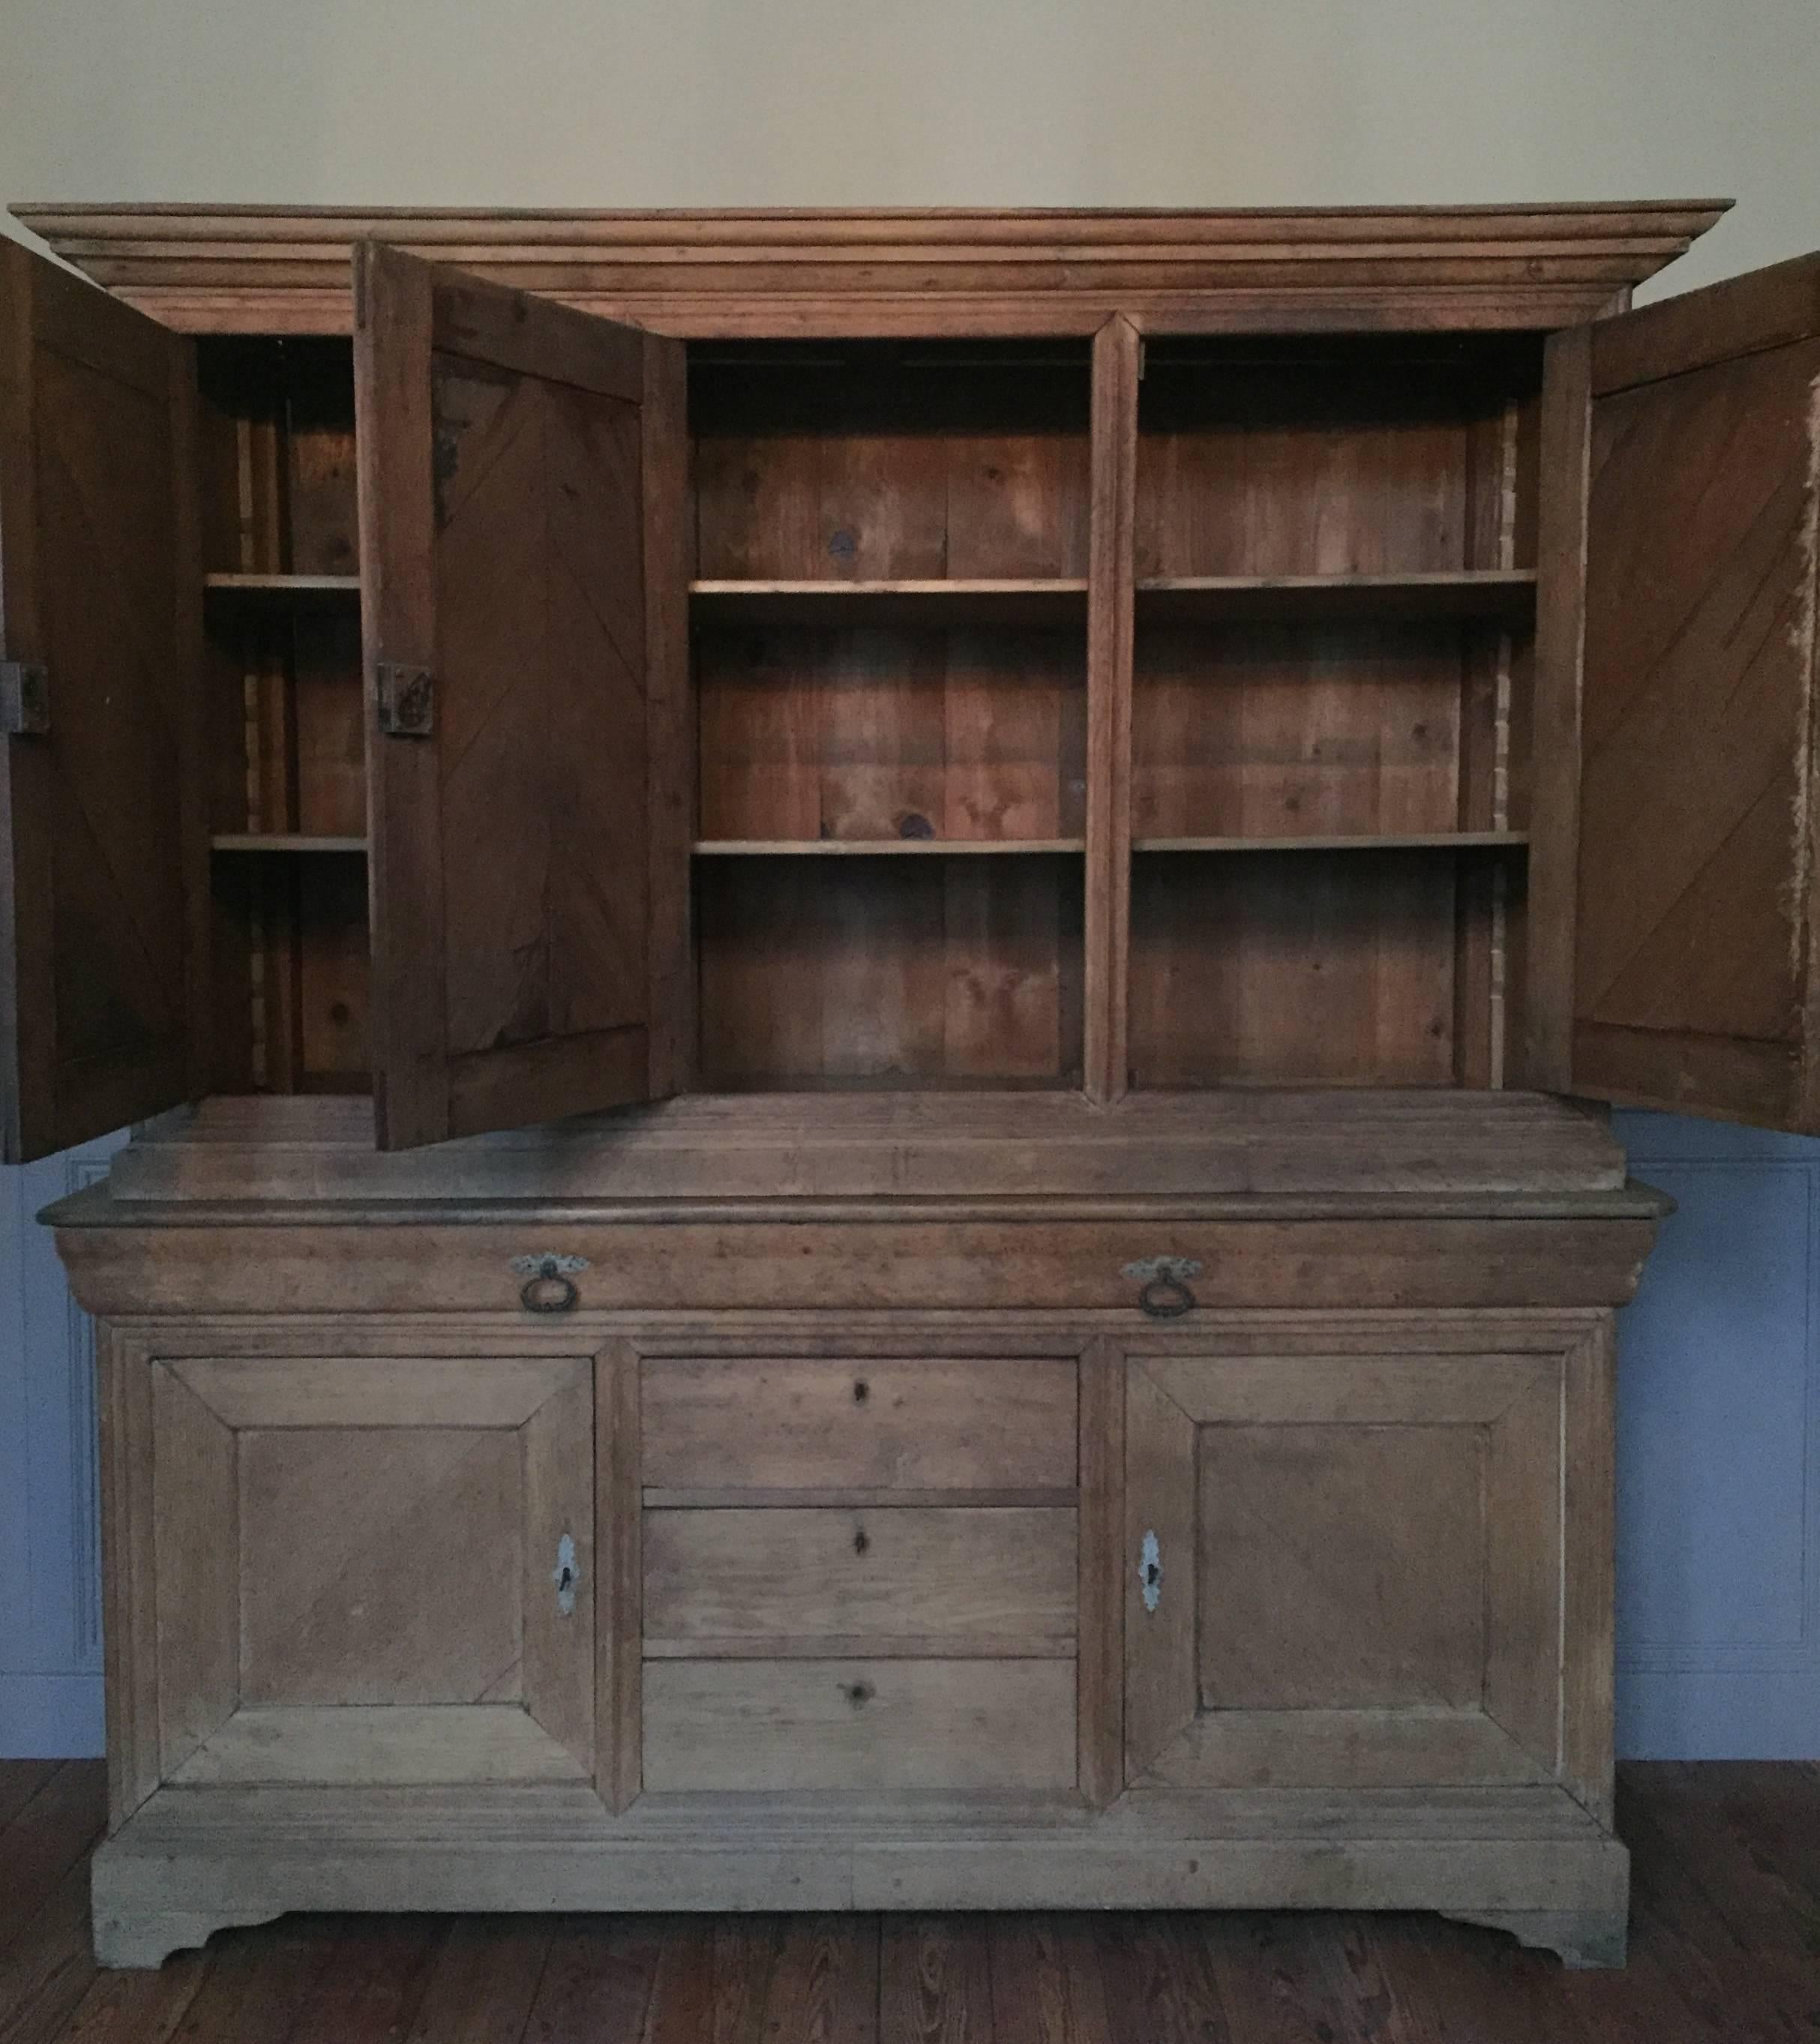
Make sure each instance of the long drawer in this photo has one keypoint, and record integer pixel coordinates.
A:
(713, 1427)
(917, 1581)
(866, 1725)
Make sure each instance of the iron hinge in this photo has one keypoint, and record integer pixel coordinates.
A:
(24, 698)
(406, 698)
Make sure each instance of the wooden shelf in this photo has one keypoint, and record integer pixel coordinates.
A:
(283, 585)
(1388, 841)
(934, 604)
(1505, 595)
(283, 841)
(885, 847)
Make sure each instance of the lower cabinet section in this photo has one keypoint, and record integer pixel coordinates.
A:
(866, 1727)
(1282, 1609)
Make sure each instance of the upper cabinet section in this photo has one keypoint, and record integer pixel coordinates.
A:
(1688, 457)
(100, 612)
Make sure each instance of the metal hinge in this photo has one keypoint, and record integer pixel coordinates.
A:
(406, 698)
(24, 698)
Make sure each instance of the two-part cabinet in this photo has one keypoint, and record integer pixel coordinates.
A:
(839, 941)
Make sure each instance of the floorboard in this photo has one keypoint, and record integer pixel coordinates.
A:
(1725, 1949)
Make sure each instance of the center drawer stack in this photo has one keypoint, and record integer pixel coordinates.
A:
(859, 1574)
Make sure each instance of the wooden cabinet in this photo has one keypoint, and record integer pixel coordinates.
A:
(858, 927)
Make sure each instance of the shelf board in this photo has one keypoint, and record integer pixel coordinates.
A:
(284, 585)
(879, 847)
(1385, 841)
(935, 604)
(283, 841)
(1495, 594)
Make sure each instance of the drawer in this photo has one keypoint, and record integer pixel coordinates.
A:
(863, 1725)
(905, 1580)
(719, 1425)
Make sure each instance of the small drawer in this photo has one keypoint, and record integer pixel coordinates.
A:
(869, 1726)
(889, 1580)
(714, 1426)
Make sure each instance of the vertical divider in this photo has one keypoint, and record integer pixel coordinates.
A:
(1561, 611)
(619, 1577)
(672, 751)
(1099, 1710)
(1110, 627)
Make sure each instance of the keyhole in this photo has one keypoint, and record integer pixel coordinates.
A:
(862, 1391)
(1152, 1574)
(566, 1580)
(860, 1542)
(861, 1693)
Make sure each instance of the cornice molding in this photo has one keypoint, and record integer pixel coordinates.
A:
(269, 269)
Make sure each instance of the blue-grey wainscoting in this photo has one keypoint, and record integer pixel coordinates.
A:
(1718, 1460)
(1718, 1451)
(50, 1572)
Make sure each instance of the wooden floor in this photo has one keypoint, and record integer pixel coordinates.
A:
(1725, 1945)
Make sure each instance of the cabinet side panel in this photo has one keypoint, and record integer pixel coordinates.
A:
(195, 1482)
(128, 1574)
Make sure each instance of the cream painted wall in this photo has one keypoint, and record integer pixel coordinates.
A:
(793, 102)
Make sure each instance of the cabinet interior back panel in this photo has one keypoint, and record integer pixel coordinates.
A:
(1294, 968)
(885, 971)
(1290, 730)
(887, 461)
(286, 715)
(1353, 456)
(892, 731)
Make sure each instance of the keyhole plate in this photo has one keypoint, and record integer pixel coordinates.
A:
(566, 1576)
(1150, 1572)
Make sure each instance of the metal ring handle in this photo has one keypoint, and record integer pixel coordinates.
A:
(549, 1292)
(1165, 1295)
(549, 1281)
(1167, 1298)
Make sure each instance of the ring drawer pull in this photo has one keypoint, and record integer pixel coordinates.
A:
(549, 1281)
(1165, 1296)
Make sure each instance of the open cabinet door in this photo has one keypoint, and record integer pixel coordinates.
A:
(104, 886)
(521, 470)
(1686, 448)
